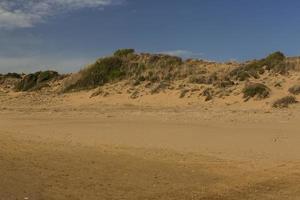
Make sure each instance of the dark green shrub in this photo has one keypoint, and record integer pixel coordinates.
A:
(12, 75)
(285, 102)
(124, 52)
(275, 62)
(257, 90)
(103, 71)
(274, 59)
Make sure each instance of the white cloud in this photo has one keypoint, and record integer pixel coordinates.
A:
(183, 53)
(26, 13)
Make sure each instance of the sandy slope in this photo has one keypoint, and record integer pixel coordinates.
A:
(74, 147)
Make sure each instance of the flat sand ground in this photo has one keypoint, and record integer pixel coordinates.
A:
(101, 151)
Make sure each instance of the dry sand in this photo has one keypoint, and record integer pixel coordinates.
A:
(76, 147)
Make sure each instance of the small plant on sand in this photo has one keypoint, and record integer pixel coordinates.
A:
(295, 90)
(285, 102)
(208, 94)
(258, 90)
(183, 93)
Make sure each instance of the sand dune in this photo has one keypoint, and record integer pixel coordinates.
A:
(144, 126)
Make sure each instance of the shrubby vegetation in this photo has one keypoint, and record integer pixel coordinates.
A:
(35, 80)
(274, 62)
(124, 52)
(258, 90)
(138, 68)
(103, 71)
(156, 72)
(285, 102)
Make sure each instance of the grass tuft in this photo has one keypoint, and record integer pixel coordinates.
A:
(285, 102)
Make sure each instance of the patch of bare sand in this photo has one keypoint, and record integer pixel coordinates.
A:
(56, 170)
(74, 147)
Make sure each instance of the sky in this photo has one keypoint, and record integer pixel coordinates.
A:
(64, 35)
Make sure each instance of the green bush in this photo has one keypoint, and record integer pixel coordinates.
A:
(275, 62)
(285, 102)
(245, 72)
(124, 52)
(274, 59)
(256, 90)
(103, 71)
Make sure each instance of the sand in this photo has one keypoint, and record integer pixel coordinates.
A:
(76, 147)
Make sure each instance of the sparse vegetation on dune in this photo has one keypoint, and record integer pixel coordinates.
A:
(140, 74)
(275, 62)
(137, 68)
(9, 80)
(36, 80)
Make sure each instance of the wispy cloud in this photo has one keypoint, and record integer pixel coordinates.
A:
(27, 13)
(24, 52)
(183, 53)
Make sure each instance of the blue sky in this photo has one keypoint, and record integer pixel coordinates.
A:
(66, 34)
